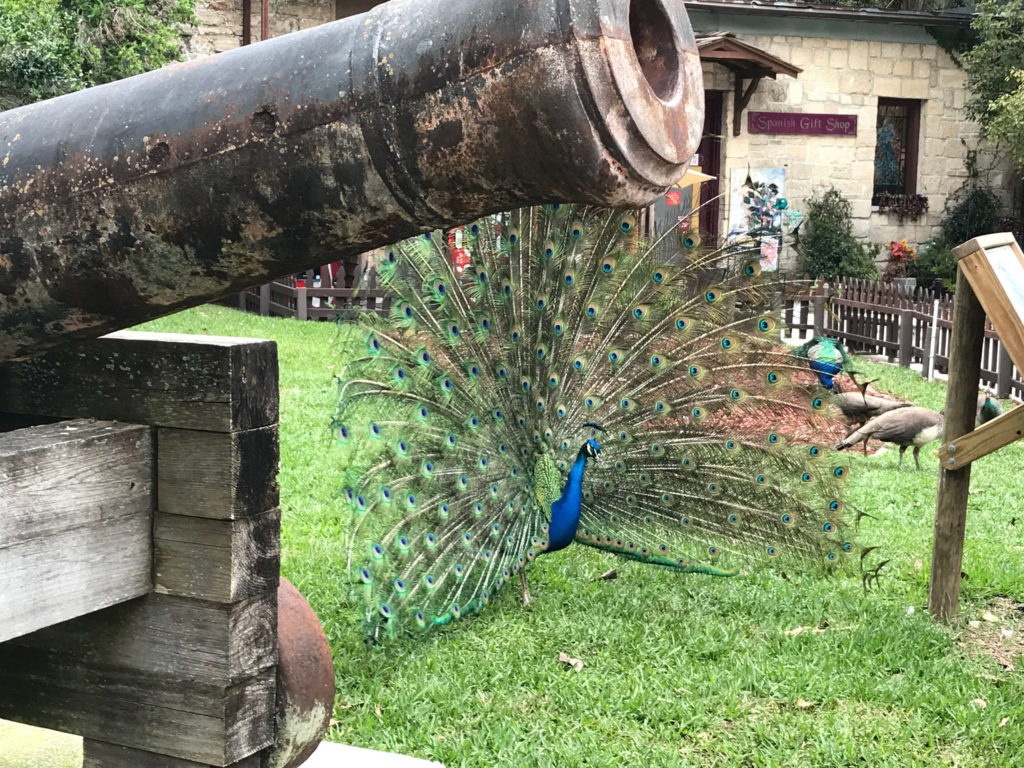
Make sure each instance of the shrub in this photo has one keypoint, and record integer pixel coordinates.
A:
(50, 47)
(826, 243)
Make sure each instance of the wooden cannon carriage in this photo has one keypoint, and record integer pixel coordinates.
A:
(139, 522)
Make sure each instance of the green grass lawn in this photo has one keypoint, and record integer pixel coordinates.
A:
(677, 671)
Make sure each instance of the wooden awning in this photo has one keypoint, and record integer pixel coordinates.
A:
(746, 62)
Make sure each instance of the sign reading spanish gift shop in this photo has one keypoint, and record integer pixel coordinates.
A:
(802, 123)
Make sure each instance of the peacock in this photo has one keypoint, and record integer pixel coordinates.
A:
(572, 386)
(827, 357)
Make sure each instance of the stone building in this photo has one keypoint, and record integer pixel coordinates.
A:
(866, 100)
(805, 96)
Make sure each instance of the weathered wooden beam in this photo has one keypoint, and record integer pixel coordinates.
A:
(217, 474)
(137, 198)
(187, 675)
(98, 754)
(76, 503)
(954, 486)
(989, 437)
(220, 560)
(162, 379)
(186, 678)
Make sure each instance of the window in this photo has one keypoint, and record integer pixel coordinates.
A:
(897, 129)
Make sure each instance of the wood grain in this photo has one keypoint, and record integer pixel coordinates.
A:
(75, 514)
(990, 290)
(951, 498)
(217, 474)
(98, 754)
(182, 677)
(986, 439)
(220, 560)
(161, 379)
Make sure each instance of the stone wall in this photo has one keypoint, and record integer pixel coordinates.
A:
(847, 74)
(220, 21)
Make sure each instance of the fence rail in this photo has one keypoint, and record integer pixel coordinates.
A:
(307, 297)
(910, 327)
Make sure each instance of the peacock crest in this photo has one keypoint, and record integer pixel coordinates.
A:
(572, 385)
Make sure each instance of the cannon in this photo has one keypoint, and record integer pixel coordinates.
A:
(138, 198)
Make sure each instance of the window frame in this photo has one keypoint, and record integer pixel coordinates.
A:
(913, 141)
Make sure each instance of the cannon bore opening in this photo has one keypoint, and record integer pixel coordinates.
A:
(654, 45)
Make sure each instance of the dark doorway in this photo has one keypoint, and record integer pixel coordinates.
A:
(709, 157)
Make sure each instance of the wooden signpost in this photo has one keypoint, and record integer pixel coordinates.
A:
(990, 281)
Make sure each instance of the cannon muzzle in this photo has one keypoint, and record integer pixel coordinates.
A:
(134, 199)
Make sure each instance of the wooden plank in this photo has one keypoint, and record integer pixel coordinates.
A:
(187, 719)
(68, 553)
(188, 678)
(220, 560)
(218, 475)
(1001, 431)
(167, 635)
(951, 498)
(995, 268)
(98, 754)
(162, 379)
(103, 470)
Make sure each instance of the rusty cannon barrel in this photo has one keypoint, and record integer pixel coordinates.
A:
(134, 199)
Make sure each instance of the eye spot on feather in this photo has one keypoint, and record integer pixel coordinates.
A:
(806, 477)
(828, 527)
(772, 551)
(839, 472)
(711, 296)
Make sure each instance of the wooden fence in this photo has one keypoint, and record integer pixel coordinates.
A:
(911, 327)
(306, 297)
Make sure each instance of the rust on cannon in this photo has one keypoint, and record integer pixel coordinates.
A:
(134, 199)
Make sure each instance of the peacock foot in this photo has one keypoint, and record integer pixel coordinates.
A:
(526, 588)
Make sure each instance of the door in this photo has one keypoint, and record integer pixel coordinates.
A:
(709, 158)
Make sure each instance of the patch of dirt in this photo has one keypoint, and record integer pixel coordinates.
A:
(1002, 639)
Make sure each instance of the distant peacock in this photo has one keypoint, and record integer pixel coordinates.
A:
(572, 386)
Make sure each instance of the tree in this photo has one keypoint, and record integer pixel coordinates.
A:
(50, 47)
(995, 74)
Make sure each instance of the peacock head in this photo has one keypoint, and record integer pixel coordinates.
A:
(591, 449)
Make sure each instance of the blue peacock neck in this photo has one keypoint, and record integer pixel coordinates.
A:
(565, 511)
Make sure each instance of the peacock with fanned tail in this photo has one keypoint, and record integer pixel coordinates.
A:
(572, 386)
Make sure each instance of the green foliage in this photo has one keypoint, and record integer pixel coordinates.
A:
(39, 57)
(994, 77)
(678, 671)
(826, 243)
(935, 260)
(55, 46)
(971, 211)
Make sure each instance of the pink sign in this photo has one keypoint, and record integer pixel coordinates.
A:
(801, 123)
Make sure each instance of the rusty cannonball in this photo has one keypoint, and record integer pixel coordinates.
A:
(305, 681)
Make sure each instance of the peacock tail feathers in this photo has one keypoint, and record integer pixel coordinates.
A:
(469, 405)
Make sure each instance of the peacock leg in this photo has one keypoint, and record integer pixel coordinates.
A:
(526, 587)
(917, 450)
(903, 449)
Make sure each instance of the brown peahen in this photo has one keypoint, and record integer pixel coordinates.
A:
(571, 387)
(905, 427)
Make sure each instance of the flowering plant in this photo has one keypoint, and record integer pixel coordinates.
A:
(900, 255)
